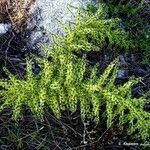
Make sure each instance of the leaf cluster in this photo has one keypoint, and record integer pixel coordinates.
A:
(62, 83)
(93, 30)
(134, 20)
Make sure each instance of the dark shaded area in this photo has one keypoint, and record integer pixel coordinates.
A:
(13, 52)
(68, 132)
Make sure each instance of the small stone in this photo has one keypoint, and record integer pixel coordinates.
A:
(122, 74)
(4, 28)
(35, 37)
(36, 70)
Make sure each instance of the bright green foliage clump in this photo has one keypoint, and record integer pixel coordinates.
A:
(111, 26)
(94, 30)
(62, 83)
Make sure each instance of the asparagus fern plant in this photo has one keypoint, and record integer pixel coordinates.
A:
(94, 30)
(62, 83)
(130, 12)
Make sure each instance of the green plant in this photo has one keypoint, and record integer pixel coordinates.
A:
(126, 7)
(134, 20)
(93, 30)
(66, 79)
(62, 82)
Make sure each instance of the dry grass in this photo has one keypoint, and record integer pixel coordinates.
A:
(4, 5)
(16, 12)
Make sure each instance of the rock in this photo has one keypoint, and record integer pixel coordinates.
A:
(57, 10)
(35, 68)
(48, 17)
(122, 74)
(4, 28)
(35, 37)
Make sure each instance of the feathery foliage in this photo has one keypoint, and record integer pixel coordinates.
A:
(111, 25)
(62, 82)
(94, 30)
(134, 18)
